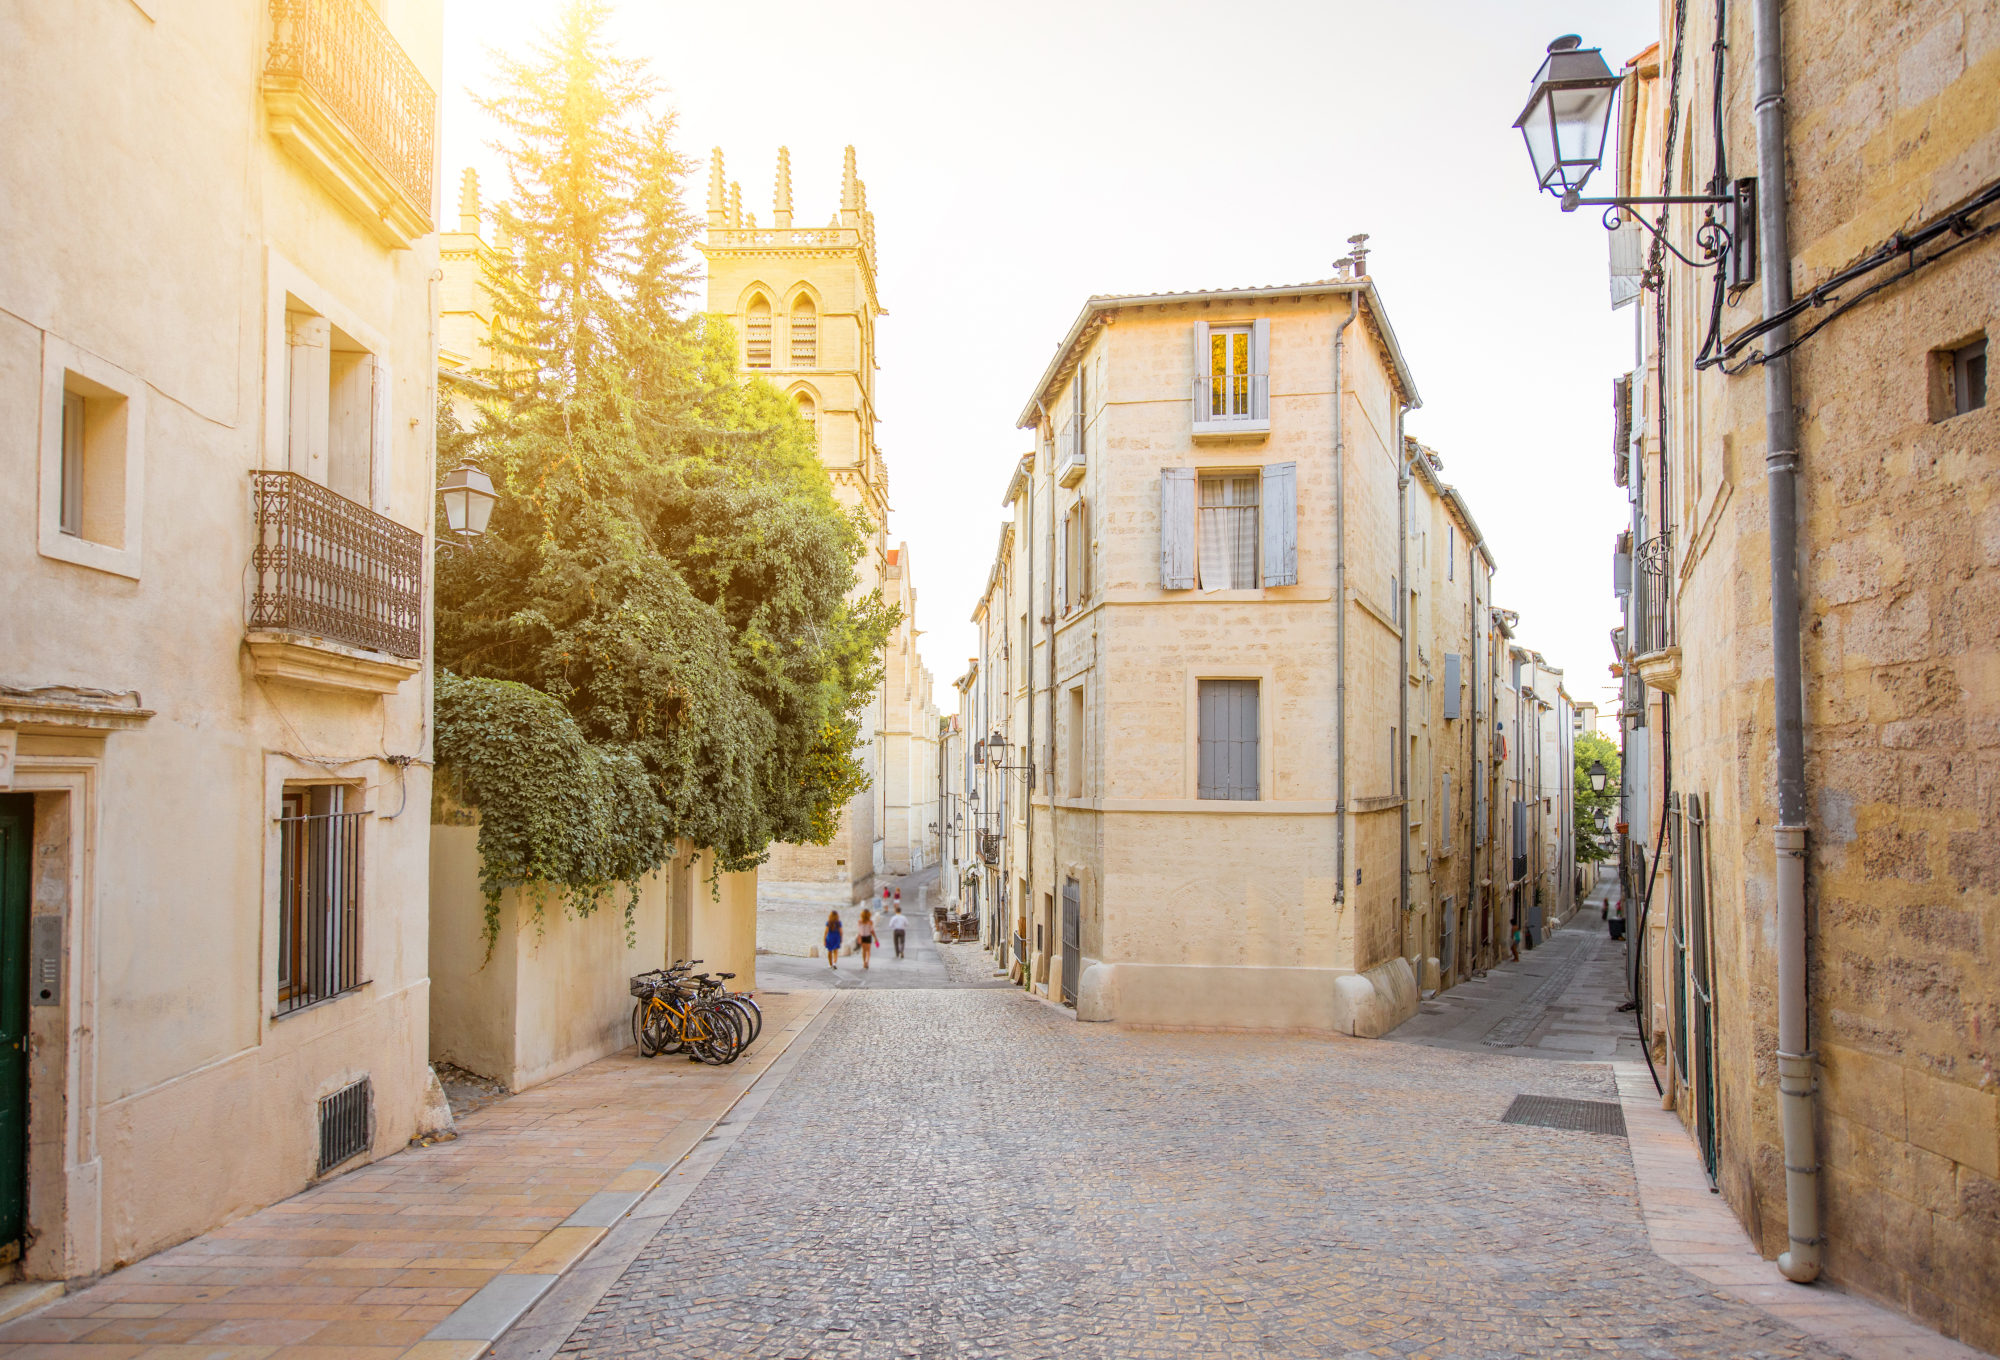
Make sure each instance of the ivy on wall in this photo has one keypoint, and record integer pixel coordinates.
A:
(554, 809)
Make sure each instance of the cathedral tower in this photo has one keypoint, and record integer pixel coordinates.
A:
(804, 305)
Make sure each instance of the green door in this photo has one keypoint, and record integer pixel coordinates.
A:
(17, 828)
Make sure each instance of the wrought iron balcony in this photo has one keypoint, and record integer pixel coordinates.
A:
(327, 567)
(989, 846)
(349, 102)
(1653, 631)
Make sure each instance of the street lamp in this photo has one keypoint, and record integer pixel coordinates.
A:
(1568, 113)
(1598, 774)
(1566, 124)
(469, 499)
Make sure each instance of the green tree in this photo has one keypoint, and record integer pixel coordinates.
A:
(1590, 845)
(667, 562)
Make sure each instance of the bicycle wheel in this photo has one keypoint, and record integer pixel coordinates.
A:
(724, 1039)
(751, 1014)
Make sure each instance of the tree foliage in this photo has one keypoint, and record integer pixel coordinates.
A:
(1590, 845)
(667, 563)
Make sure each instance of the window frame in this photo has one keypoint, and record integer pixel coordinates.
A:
(1269, 700)
(120, 399)
(1227, 477)
(291, 292)
(291, 784)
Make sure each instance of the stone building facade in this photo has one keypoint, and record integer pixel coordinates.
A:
(1889, 115)
(1212, 694)
(804, 304)
(216, 400)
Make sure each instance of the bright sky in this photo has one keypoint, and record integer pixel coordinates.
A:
(1021, 157)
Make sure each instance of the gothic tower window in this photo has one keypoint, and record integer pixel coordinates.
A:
(806, 408)
(757, 335)
(805, 334)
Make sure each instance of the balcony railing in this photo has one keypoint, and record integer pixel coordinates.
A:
(331, 568)
(1070, 452)
(1232, 403)
(989, 846)
(1654, 559)
(351, 62)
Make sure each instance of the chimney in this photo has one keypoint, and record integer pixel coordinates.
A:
(1360, 244)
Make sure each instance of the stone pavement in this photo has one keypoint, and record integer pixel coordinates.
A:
(1560, 1001)
(920, 966)
(972, 1173)
(427, 1253)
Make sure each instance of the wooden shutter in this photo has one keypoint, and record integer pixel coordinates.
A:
(1227, 739)
(380, 431)
(1062, 564)
(1451, 684)
(1201, 366)
(1260, 368)
(1084, 548)
(1281, 523)
(1177, 488)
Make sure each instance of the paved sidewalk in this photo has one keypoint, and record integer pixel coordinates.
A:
(427, 1254)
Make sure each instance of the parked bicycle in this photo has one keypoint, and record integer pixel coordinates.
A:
(678, 1010)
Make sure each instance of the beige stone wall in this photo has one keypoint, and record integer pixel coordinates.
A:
(1891, 118)
(155, 228)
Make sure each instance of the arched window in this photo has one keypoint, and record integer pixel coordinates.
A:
(757, 336)
(805, 334)
(806, 407)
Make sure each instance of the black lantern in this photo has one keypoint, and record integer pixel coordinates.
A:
(1568, 115)
(1598, 774)
(469, 499)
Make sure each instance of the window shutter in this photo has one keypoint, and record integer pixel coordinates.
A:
(1260, 368)
(1084, 548)
(1177, 487)
(1201, 372)
(1451, 684)
(379, 435)
(1281, 523)
(1444, 808)
(1062, 566)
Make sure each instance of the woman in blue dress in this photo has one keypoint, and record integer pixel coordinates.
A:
(833, 939)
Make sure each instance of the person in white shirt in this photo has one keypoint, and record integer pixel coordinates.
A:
(897, 925)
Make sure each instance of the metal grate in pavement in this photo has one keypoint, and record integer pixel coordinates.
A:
(1560, 1112)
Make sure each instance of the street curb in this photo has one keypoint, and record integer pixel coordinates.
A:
(513, 1294)
(540, 1330)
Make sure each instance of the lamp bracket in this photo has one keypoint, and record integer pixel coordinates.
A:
(1570, 201)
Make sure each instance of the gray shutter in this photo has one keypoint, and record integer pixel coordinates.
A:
(1444, 811)
(1083, 547)
(1260, 368)
(1177, 488)
(1479, 802)
(1201, 362)
(1281, 523)
(1451, 684)
(1062, 565)
(1226, 741)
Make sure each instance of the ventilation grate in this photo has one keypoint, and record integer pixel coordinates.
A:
(343, 1125)
(1558, 1112)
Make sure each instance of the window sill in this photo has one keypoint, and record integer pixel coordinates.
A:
(277, 1016)
(1231, 429)
(316, 663)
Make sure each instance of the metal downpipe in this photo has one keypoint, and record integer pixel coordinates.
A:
(1781, 462)
(1402, 615)
(1340, 610)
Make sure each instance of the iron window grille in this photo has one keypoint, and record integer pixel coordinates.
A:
(331, 567)
(1654, 558)
(319, 902)
(343, 1125)
(347, 56)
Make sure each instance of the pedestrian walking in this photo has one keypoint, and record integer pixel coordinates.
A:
(833, 939)
(898, 924)
(864, 935)
(1515, 943)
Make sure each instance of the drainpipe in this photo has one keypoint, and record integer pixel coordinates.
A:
(1340, 610)
(1781, 462)
(1049, 632)
(1402, 607)
(1028, 746)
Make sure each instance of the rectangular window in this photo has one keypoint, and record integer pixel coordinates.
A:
(1228, 552)
(1232, 378)
(332, 390)
(1076, 558)
(1968, 378)
(1227, 739)
(90, 479)
(319, 895)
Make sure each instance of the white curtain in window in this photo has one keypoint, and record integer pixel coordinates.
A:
(1228, 533)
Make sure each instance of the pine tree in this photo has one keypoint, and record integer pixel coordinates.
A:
(667, 560)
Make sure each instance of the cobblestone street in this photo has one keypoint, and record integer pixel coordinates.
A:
(971, 1173)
